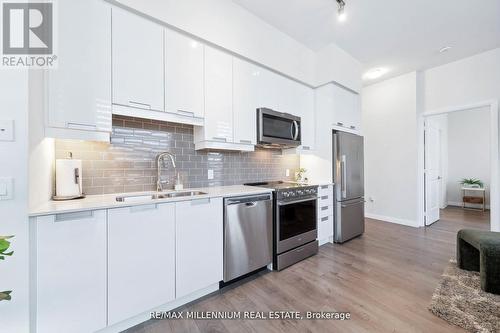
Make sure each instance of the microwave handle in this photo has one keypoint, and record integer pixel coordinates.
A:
(296, 127)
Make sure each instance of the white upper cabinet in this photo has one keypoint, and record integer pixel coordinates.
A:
(141, 259)
(218, 131)
(71, 272)
(338, 107)
(184, 66)
(79, 90)
(248, 96)
(347, 112)
(305, 109)
(138, 62)
(199, 245)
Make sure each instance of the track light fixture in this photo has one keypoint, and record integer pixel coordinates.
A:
(341, 11)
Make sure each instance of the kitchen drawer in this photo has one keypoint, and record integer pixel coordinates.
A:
(325, 211)
(325, 200)
(325, 190)
(325, 228)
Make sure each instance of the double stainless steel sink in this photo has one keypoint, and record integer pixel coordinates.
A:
(155, 196)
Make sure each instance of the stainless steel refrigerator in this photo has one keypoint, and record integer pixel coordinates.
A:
(348, 175)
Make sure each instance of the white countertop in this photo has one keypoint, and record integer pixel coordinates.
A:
(95, 202)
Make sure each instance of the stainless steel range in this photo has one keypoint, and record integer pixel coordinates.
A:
(295, 222)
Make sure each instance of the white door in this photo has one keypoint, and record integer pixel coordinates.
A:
(218, 96)
(199, 244)
(138, 61)
(71, 272)
(432, 172)
(141, 259)
(184, 65)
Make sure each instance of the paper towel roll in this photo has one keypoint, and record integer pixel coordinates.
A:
(68, 178)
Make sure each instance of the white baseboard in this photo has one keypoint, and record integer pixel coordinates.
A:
(391, 219)
(459, 204)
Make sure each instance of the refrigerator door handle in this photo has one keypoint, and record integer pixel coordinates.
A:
(343, 166)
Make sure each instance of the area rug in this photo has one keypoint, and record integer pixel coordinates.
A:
(460, 301)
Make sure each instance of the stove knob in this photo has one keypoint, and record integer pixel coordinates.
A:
(286, 194)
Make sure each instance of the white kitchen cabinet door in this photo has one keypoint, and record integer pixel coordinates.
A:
(247, 96)
(269, 92)
(71, 272)
(79, 90)
(184, 66)
(141, 259)
(304, 107)
(347, 112)
(138, 61)
(218, 96)
(199, 245)
(325, 105)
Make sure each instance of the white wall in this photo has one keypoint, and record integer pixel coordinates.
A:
(14, 315)
(468, 150)
(333, 63)
(390, 129)
(471, 80)
(467, 81)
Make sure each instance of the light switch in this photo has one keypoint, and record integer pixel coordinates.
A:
(6, 188)
(6, 130)
(210, 174)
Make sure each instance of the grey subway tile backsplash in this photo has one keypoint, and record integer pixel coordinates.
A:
(127, 164)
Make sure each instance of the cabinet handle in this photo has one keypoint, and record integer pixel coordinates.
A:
(200, 202)
(220, 139)
(73, 216)
(186, 113)
(324, 219)
(324, 208)
(246, 141)
(324, 187)
(143, 208)
(340, 124)
(324, 198)
(81, 126)
(306, 148)
(141, 105)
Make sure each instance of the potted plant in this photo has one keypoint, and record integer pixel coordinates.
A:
(4, 248)
(299, 175)
(472, 183)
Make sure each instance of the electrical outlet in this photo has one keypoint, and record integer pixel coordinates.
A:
(6, 130)
(287, 173)
(210, 174)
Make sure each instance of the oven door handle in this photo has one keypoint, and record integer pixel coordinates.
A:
(296, 201)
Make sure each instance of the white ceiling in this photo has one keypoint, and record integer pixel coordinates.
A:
(401, 35)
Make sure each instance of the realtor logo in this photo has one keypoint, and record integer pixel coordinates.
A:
(28, 34)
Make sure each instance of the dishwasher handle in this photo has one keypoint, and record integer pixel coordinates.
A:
(249, 201)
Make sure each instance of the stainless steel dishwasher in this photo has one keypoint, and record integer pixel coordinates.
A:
(248, 234)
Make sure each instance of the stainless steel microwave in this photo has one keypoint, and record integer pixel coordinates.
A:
(277, 129)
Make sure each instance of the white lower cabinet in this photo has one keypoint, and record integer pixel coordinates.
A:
(141, 259)
(199, 245)
(71, 272)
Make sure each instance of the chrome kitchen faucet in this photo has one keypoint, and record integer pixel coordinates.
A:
(159, 159)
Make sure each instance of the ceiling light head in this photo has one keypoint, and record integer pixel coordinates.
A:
(341, 11)
(444, 49)
(375, 73)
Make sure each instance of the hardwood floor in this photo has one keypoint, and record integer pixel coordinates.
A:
(385, 279)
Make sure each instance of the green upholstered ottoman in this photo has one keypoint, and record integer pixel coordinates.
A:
(480, 251)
